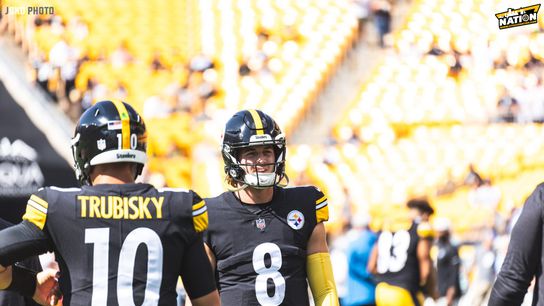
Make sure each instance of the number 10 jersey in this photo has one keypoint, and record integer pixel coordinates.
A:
(121, 244)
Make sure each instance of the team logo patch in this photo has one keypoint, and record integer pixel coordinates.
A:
(295, 219)
(260, 223)
(101, 144)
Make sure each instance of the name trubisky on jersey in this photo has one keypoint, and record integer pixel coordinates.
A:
(116, 207)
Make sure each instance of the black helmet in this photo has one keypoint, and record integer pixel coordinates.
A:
(253, 128)
(108, 132)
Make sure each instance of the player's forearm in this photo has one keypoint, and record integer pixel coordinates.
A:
(321, 279)
(425, 264)
(424, 272)
(20, 242)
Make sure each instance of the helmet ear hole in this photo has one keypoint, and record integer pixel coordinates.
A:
(235, 171)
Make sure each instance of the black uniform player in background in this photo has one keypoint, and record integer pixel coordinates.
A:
(265, 241)
(524, 258)
(401, 258)
(117, 242)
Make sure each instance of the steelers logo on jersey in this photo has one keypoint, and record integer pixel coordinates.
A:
(295, 219)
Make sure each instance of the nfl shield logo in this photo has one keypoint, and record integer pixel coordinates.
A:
(101, 144)
(260, 223)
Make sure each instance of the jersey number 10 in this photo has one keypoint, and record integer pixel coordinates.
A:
(100, 237)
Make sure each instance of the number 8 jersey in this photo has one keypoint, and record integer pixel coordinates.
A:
(260, 249)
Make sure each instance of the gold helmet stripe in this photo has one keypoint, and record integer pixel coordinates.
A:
(125, 123)
(258, 121)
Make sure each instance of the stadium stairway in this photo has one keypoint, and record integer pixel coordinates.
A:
(337, 95)
(43, 112)
(343, 86)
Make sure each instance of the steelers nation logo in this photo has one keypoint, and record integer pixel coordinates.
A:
(295, 219)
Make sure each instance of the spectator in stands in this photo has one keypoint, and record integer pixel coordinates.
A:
(121, 56)
(507, 107)
(156, 63)
(156, 107)
(200, 63)
(485, 195)
(360, 282)
(473, 178)
(120, 93)
(362, 12)
(448, 265)
(78, 29)
(42, 71)
(381, 10)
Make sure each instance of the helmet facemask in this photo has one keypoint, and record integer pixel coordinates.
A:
(235, 169)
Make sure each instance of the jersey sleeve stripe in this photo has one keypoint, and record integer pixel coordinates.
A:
(39, 201)
(324, 198)
(35, 216)
(200, 211)
(198, 205)
(322, 214)
(319, 206)
(200, 222)
(37, 206)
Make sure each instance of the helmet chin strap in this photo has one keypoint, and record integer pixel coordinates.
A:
(234, 188)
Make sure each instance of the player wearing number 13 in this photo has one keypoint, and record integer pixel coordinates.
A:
(117, 242)
(265, 240)
(400, 258)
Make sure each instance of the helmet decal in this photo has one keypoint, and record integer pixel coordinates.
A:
(125, 123)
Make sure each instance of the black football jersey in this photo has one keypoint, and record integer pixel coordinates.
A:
(118, 244)
(261, 249)
(398, 264)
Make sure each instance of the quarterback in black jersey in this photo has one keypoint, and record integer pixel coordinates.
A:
(266, 242)
(117, 242)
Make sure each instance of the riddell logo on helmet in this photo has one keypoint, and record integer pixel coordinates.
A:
(126, 155)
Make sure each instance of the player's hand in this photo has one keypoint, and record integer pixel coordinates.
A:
(47, 288)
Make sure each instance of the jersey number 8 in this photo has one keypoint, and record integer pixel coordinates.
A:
(100, 237)
(265, 273)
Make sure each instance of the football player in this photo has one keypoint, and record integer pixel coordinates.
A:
(266, 242)
(401, 258)
(117, 242)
